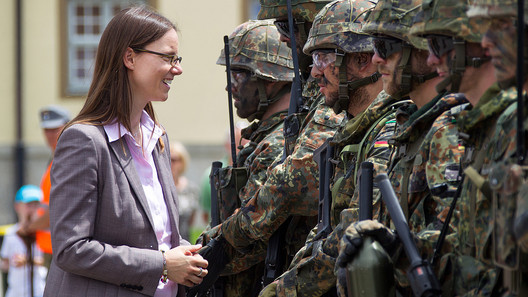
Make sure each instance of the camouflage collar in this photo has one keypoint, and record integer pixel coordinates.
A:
(355, 128)
(257, 128)
(421, 121)
(492, 103)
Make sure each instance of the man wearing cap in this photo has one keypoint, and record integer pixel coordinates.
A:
(14, 249)
(52, 120)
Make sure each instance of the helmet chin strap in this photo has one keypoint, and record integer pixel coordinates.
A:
(458, 66)
(407, 77)
(345, 86)
(264, 101)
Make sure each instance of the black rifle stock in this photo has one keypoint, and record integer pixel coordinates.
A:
(365, 191)
(214, 183)
(324, 154)
(421, 277)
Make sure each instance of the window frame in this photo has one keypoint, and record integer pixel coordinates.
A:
(71, 86)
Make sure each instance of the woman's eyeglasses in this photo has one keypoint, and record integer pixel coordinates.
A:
(172, 59)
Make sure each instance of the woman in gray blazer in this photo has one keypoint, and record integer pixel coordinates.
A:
(113, 205)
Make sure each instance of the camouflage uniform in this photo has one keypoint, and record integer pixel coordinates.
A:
(312, 270)
(493, 192)
(509, 202)
(290, 187)
(254, 46)
(362, 138)
(425, 152)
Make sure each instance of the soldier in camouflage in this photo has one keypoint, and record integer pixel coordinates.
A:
(291, 185)
(492, 228)
(341, 53)
(466, 267)
(422, 176)
(261, 75)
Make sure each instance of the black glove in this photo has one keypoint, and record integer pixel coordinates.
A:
(348, 249)
(214, 253)
(352, 241)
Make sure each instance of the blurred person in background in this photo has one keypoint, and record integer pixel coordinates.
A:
(188, 192)
(52, 120)
(21, 263)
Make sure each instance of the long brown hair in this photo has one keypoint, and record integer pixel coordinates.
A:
(110, 95)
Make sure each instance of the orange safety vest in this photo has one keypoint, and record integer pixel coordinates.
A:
(43, 237)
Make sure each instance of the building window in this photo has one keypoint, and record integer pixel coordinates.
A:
(86, 21)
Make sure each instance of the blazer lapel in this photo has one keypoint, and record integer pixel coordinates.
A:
(165, 178)
(127, 163)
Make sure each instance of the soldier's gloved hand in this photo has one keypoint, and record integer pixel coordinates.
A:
(351, 243)
(269, 290)
(388, 239)
(214, 253)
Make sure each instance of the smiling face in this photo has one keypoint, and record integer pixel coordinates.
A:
(150, 75)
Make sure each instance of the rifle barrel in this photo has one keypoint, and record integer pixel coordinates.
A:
(230, 100)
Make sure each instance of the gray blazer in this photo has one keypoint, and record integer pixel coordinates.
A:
(101, 230)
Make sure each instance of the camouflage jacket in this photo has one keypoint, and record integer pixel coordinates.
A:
(290, 189)
(490, 135)
(266, 142)
(509, 203)
(464, 267)
(311, 273)
(415, 151)
(425, 157)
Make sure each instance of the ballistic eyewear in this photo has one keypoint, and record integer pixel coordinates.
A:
(440, 45)
(384, 47)
(323, 58)
(240, 75)
(284, 28)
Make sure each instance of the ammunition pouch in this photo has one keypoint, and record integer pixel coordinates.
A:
(229, 180)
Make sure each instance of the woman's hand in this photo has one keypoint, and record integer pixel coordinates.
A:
(184, 266)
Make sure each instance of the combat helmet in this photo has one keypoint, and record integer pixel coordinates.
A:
(495, 8)
(394, 18)
(255, 46)
(446, 22)
(480, 10)
(303, 11)
(338, 26)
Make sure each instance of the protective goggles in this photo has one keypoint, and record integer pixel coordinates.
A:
(323, 58)
(240, 75)
(284, 28)
(440, 45)
(384, 47)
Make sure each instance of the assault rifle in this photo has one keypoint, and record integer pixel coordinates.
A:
(274, 258)
(292, 123)
(322, 155)
(421, 277)
(230, 100)
(214, 178)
